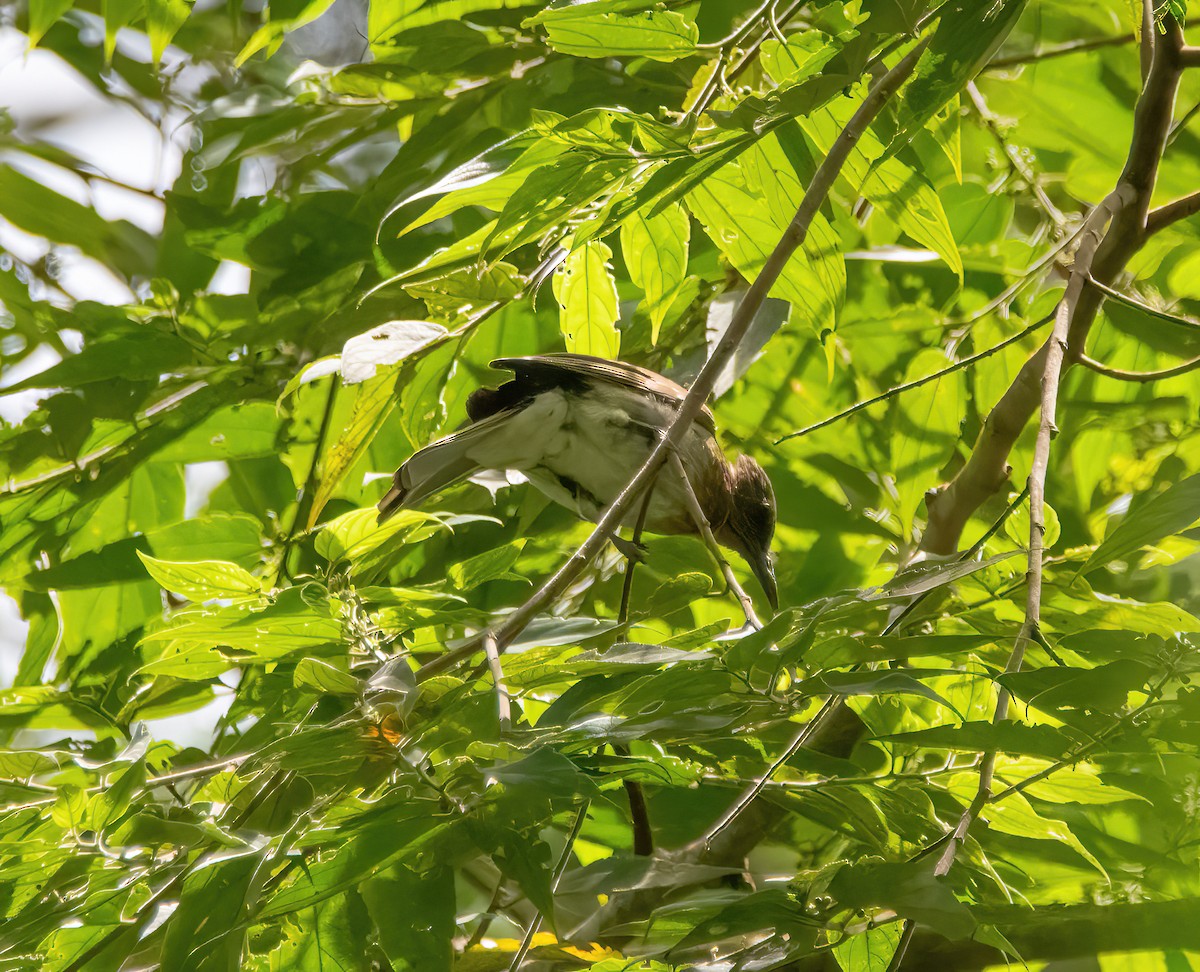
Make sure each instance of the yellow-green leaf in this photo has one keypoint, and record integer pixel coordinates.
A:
(587, 297)
(200, 580)
(655, 249)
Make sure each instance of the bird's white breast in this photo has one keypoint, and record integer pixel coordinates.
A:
(582, 449)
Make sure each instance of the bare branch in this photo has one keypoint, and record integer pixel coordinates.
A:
(563, 859)
(1142, 376)
(1101, 255)
(693, 402)
(1172, 212)
(917, 382)
(1142, 306)
(1075, 47)
(1056, 349)
(1189, 57)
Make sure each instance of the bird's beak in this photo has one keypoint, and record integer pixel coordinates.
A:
(764, 570)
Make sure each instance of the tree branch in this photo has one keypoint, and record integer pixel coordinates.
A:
(1101, 256)
(1143, 376)
(1172, 212)
(693, 402)
(1142, 306)
(1075, 47)
(917, 382)
(1056, 349)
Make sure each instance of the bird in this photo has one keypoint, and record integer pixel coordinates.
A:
(578, 428)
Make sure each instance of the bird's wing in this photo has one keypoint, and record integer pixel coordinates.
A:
(568, 371)
(435, 467)
(514, 438)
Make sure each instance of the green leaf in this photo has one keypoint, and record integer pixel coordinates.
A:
(965, 39)
(422, 942)
(1166, 514)
(43, 707)
(869, 951)
(903, 194)
(745, 209)
(910, 889)
(879, 683)
(200, 580)
(587, 299)
(494, 564)
(1105, 688)
(325, 677)
(1014, 815)
(43, 14)
(112, 802)
(270, 35)
(979, 737)
(595, 29)
(118, 14)
(927, 421)
(374, 400)
(243, 431)
(163, 20)
(365, 853)
(1079, 783)
(655, 249)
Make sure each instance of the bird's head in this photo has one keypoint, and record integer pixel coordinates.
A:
(751, 523)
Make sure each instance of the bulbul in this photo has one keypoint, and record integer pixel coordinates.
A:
(579, 428)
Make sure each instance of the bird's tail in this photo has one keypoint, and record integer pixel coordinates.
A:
(432, 469)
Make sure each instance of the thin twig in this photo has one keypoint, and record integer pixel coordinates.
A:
(702, 524)
(1140, 376)
(1172, 212)
(304, 501)
(559, 868)
(741, 32)
(750, 794)
(793, 237)
(1142, 306)
(639, 813)
(486, 919)
(918, 382)
(1045, 54)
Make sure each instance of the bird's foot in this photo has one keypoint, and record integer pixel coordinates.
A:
(631, 551)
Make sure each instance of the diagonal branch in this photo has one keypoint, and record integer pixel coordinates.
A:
(795, 234)
(1112, 233)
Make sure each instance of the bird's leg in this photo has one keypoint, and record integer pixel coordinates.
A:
(702, 525)
(631, 550)
(632, 560)
(643, 835)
